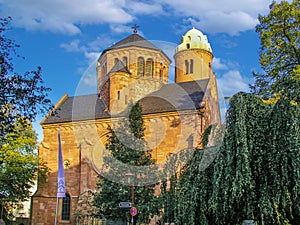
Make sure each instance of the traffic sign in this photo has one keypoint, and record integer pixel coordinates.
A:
(125, 204)
(133, 211)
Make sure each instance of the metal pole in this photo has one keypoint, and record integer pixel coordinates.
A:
(132, 201)
(56, 211)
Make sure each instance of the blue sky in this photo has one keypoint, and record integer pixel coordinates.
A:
(66, 37)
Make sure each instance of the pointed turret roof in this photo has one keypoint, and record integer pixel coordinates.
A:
(134, 40)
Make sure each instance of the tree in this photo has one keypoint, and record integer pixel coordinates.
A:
(280, 51)
(256, 173)
(127, 153)
(21, 96)
(19, 164)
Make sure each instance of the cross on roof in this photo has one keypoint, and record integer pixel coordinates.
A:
(134, 28)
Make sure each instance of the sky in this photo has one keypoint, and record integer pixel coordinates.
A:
(65, 37)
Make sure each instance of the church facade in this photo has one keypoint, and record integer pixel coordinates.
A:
(132, 70)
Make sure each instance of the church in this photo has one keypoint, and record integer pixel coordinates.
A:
(175, 115)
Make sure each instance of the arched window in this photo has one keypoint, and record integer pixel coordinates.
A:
(125, 61)
(65, 210)
(188, 45)
(186, 66)
(140, 66)
(191, 66)
(149, 67)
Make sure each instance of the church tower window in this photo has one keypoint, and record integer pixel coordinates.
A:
(186, 66)
(140, 66)
(65, 212)
(149, 67)
(191, 66)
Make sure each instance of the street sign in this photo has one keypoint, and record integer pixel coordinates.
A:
(133, 211)
(125, 204)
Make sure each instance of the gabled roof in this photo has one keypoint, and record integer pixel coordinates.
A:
(119, 67)
(169, 98)
(133, 40)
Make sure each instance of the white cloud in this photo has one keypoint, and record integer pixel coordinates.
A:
(232, 82)
(73, 46)
(63, 16)
(231, 23)
(217, 16)
(138, 7)
(218, 65)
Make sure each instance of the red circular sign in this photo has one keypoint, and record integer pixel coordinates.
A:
(133, 211)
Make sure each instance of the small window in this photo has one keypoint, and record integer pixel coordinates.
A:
(186, 66)
(191, 66)
(65, 212)
(188, 46)
(149, 67)
(119, 95)
(161, 74)
(140, 66)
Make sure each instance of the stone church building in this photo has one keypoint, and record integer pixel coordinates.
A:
(133, 69)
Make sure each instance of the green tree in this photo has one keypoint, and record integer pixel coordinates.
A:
(280, 51)
(21, 95)
(256, 173)
(127, 152)
(18, 164)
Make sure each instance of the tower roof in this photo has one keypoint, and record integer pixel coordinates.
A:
(134, 40)
(194, 39)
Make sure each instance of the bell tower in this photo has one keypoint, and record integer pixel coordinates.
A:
(193, 57)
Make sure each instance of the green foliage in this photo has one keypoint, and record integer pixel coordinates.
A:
(256, 174)
(193, 191)
(280, 51)
(20, 95)
(126, 145)
(18, 164)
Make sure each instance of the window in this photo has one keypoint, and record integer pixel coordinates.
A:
(65, 212)
(149, 67)
(140, 67)
(186, 66)
(119, 96)
(188, 46)
(191, 66)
